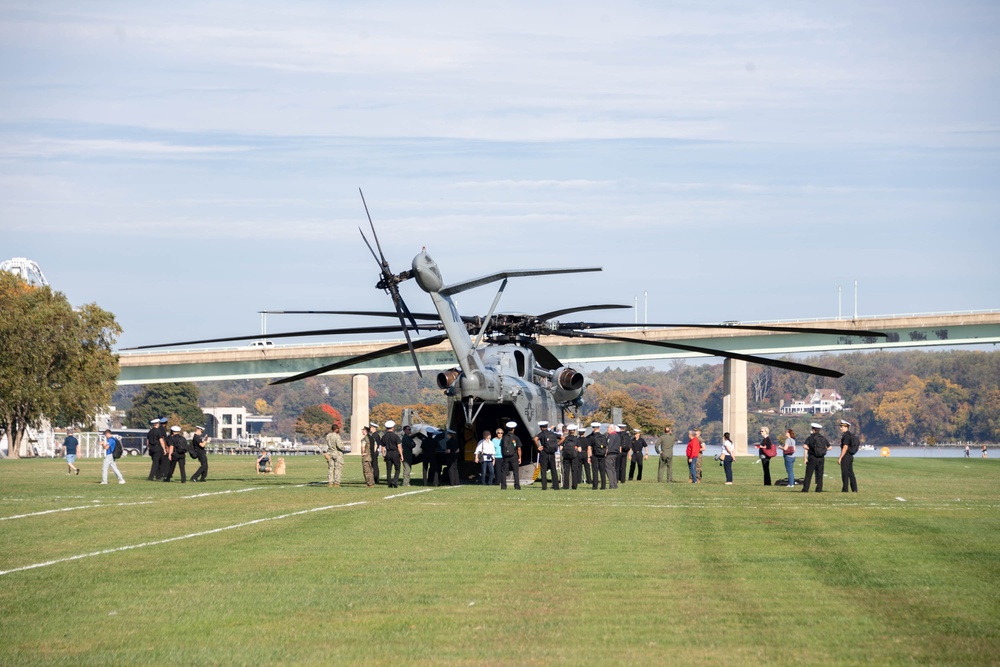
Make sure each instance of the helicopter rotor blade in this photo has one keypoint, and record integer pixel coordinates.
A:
(566, 311)
(764, 361)
(287, 334)
(385, 352)
(367, 313)
(744, 327)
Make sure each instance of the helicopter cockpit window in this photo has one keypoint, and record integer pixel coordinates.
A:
(519, 358)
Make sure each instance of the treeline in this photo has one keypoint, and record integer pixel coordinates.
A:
(894, 397)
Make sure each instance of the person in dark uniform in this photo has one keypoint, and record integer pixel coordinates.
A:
(177, 448)
(439, 454)
(848, 448)
(638, 454)
(547, 443)
(154, 447)
(571, 458)
(198, 443)
(392, 448)
(408, 445)
(510, 447)
(452, 451)
(665, 448)
(164, 460)
(611, 460)
(816, 446)
(597, 451)
(374, 447)
(623, 455)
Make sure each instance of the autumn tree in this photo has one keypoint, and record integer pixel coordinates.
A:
(316, 420)
(55, 361)
(177, 401)
(640, 413)
(434, 415)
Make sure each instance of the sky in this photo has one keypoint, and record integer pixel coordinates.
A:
(187, 164)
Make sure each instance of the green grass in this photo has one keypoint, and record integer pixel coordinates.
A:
(905, 572)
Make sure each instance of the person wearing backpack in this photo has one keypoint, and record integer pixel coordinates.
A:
(767, 450)
(816, 446)
(597, 451)
(198, 443)
(177, 448)
(848, 448)
(111, 444)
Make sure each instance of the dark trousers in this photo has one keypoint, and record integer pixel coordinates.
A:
(392, 463)
(375, 466)
(547, 462)
(847, 473)
(611, 466)
(157, 462)
(507, 464)
(636, 463)
(814, 464)
(765, 463)
(622, 466)
(597, 468)
(453, 471)
(727, 465)
(426, 457)
(569, 473)
(178, 460)
(586, 465)
(437, 465)
(202, 471)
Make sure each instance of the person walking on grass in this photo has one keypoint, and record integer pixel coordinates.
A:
(69, 447)
(728, 449)
(108, 442)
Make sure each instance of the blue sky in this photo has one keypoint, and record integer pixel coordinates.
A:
(189, 164)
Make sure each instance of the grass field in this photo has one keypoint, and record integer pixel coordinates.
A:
(281, 570)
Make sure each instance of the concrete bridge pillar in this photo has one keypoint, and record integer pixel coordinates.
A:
(359, 410)
(734, 403)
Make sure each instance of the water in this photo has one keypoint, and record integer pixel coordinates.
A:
(898, 451)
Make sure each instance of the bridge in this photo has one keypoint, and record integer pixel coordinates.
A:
(267, 361)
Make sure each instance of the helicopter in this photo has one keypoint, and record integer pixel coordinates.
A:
(502, 372)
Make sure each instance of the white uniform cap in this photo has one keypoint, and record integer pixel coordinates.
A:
(154, 421)
(844, 423)
(175, 429)
(595, 424)
(543, 423)
(571, 427)
(637, 430)
(374, 424)
(621, 427)
(815, 425)
(511, 424)
(390, 424)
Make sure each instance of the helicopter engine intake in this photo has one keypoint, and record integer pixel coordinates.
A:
(568, 383)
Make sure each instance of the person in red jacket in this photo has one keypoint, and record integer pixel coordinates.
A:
(693, 452)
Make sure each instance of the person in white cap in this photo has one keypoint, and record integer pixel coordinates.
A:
(638, 454)
(108, 442)
(510, 447)
(625, 440)
(816, 446)
(547, 443)
(392, 451)
(156, 446)
(848, 448)
(572, 458)
(597, 451)
(177, 448)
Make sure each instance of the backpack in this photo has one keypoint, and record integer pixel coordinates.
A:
(117, 451)
(599, 444)
(818, 445)
(852, 448)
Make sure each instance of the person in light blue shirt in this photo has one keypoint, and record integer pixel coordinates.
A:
(108, 442)
(497, 453)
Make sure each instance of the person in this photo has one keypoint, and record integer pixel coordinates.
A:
(693, 452)
(510, 448)
(665, 448)
(788, 451)
(571, 458)
(439, 452)
(966, 450)
(611, 459)
(484, 457)
(453, 449)
(597, 451)
(767, 450)
(366, 459)
(263, 461)
(701, 452)
(984, 450)
(497, 455)
(374, 445)
(848, 448)
(728, 452)
(177, 448)
(626, 451)
(69, 447)
(392, 454)
(408, 446)
(108, 442)
(638, 454)
(334, 456)
(816, 446)
(198, 443)
(547, 443)
(155, 447)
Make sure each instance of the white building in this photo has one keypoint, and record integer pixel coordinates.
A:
(820, 402)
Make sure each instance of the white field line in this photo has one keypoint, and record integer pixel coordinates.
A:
(70, 509)
(178, 538)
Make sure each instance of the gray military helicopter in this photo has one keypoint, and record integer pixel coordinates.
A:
(503, 373)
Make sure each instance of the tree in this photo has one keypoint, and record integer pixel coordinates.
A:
(177, 401)
(57, 362)
(315, 421)
(435, 415)
(639, 413)
(261, 406)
